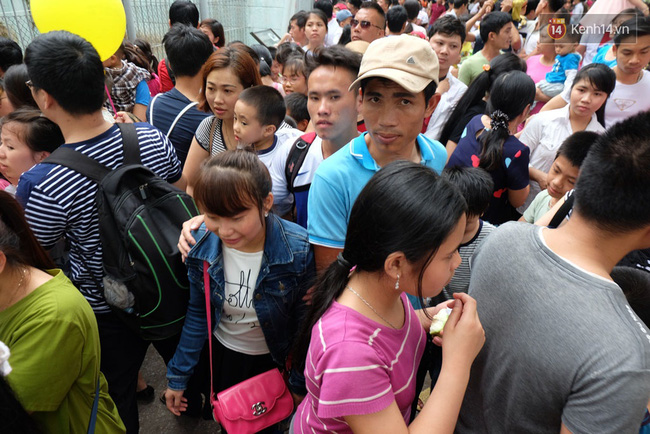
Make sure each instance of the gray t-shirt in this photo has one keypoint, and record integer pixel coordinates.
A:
(563, 345)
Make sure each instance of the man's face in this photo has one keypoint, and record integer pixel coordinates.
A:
(297, 33)
(633, 55)
(351, 8)
(373, 26)
(384, 4)
(447, 48)
(393, 116)
(503, 39)
(332, 107)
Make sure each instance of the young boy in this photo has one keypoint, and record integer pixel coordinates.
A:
(566, 63)
(477, 186)
(563, 174)
(297, 109)
(259, 112)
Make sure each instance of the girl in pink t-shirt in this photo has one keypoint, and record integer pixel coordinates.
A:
(364, 339)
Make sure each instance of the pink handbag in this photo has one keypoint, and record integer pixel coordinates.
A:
(253, 404)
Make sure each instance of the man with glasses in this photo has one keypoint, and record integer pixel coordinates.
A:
(368, 23)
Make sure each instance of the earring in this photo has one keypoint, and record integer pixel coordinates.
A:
(266, 214)
(397, 283)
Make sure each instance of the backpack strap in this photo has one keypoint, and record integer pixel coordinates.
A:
(91, 168)
(180, 115)
(130, 143)
(80, 163)
(296, 158)
(153, 100)
(561, 213)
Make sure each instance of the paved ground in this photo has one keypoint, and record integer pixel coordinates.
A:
(156, 419)
(154, 416)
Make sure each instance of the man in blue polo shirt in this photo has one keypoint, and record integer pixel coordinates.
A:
(174, 112)
(398, 80)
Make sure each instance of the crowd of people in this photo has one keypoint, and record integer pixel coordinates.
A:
(387, 162)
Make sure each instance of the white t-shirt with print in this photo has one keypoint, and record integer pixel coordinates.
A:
(239, 328)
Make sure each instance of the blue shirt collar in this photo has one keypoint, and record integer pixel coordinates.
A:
(270, 149)
(359, 150)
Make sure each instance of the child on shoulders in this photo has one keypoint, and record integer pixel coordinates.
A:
(563, 174)
(566, 60)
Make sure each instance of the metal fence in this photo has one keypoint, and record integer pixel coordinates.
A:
(148, 19)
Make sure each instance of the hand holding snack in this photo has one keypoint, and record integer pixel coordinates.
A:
(463, 333)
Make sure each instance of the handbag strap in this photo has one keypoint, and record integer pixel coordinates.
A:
(213, 128)
(93, 415)
(206, 289)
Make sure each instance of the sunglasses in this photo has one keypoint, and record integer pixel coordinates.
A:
(364, 24)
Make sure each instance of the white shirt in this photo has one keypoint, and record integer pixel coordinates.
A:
(239, 328)
(417, 28)
(531, 41)
(443, 110)
(625, 101)
(275, 159)
(423, 17)
(544, 134)
(333, 33)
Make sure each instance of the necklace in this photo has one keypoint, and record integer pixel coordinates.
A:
(20, 283)
(370, 306)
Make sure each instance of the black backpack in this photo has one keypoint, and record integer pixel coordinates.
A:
(140, 217)
(296, 157)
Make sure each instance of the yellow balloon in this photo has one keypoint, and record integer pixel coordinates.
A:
(100, 22)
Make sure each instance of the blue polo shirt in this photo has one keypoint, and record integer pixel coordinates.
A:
(339, 180)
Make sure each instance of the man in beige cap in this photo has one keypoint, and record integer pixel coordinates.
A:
(397, 80)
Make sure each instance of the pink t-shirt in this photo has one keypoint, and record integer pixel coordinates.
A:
(358, 366)
(537, 71)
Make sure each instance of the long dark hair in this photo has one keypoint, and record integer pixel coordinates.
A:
(17, 241)
(601, 77)
(510, 94)
(479, 88)
(389, 216)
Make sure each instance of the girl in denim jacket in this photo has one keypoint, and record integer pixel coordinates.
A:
(260, 268)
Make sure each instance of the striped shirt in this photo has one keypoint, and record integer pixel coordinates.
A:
(357, 366)
(61, 202)
(460, 281)
(217, 143)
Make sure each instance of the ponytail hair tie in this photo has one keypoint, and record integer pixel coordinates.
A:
(344, 262)
(486, 67)
(499, 119)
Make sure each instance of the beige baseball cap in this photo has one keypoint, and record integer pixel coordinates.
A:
(407, 60)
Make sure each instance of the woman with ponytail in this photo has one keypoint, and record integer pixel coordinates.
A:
(52, 333)
(472, 102)
(489, 143)
(362, 339)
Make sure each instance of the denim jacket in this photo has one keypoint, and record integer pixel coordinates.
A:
(285, 275)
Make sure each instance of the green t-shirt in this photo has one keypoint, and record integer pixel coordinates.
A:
(472, 67)
(538, 207)
(55, 356)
